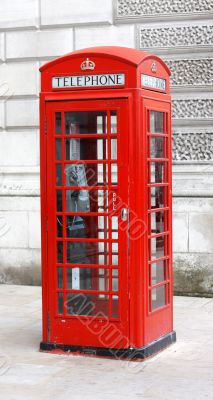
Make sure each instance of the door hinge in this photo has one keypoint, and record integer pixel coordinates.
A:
(45, 126)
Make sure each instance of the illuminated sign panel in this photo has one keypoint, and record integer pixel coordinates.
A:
(76, 81)
(153, 82)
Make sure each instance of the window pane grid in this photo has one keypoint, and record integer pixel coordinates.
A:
(107, 235)
(158, 229)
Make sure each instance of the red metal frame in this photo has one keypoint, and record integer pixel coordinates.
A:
(138, 324)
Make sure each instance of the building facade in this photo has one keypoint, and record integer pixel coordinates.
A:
(35, 31)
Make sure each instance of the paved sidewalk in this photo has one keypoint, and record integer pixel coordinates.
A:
(183, 371)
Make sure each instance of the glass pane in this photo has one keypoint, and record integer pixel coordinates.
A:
(59, 226)
(113, 120)
(114, 280)
(80, 226)
(58, 149)
(114, 174)
(88, 279)
(157, 245)
(158, 272)
(60, 278)
(87, 304)
(86, 200)
(58, 123)
(158, 223)
(59, 200)
(59, 252)
(86, 149)
(157, 147)
(86, 174)
(158, 297)
(115, 308)
(88, 253)
(157, 172)
(115, 248)
(158, 197)
(114, 259)
(58, 175)
(85, 122)
(60, 303)
(114, 227)
(113, 149)
(156, 122)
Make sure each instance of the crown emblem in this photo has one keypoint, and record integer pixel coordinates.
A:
(154, 67)
(87, 64)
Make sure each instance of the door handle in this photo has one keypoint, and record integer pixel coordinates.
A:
(124, 214)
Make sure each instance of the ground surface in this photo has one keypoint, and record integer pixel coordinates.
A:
(183, 371)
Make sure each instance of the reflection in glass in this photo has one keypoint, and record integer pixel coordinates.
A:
(113, 149)
(59, 252)
(114, 280)
(115, 308)
(59, 200)
(58, 123)
(158, 272)
(157, 222)
(157, 245)
(58, 175)
(87, 304)
(115, 227)
(60, 277)
(88, 279)
(157, 172)
(59, 226)
(113, 121)
(156, 122)
(158, 197)
(85, 122)
(86, 149)
(114, 174)
(58, 149)
(60, 303)
(158, 297)
(114, 259)
(157, 147)
(87, 253)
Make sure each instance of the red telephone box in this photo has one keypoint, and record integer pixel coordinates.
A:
(106, 203)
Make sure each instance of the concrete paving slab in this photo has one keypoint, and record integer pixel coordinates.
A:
(183, 371)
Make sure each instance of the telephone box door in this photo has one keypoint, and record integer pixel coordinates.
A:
(87, 235)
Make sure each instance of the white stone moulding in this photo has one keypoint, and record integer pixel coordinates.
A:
(19, 181)
(188, 73)
(192, 179)
(19, 14)
(38, 44)
(193, 146)
(75, 12)
(144, 10)
(197, 108)
(175, 39)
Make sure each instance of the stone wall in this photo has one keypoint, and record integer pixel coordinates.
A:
(180, 31)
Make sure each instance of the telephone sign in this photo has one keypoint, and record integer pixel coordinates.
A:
(76, 81)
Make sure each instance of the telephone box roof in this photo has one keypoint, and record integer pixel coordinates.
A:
(126, 54)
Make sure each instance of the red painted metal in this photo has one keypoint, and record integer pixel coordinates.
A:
(144, 315)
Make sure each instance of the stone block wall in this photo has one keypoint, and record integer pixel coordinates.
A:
(35, 31)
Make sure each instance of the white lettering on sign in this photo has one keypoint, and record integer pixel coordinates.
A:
(75, 81)
(153, 82)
